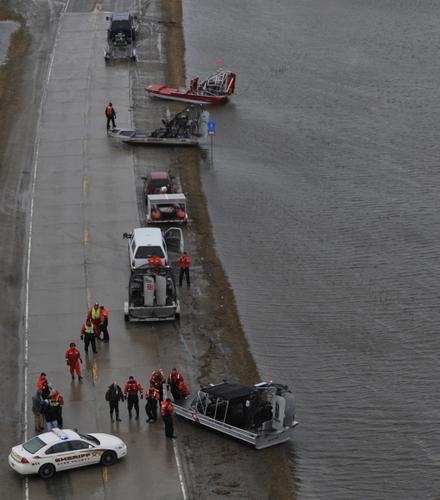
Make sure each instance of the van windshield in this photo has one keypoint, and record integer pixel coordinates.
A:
(149, 251)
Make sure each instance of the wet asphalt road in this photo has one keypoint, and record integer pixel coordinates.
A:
(85, 199)
(324, 197)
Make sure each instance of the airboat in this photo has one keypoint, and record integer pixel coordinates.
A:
(187, 128)
(262, 415)
(214, 90)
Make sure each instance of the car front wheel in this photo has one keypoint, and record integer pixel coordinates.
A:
(46, 471)
(108, 458)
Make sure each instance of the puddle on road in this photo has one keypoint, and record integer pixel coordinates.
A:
(6, 30)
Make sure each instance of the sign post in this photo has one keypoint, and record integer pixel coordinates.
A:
(211, 133)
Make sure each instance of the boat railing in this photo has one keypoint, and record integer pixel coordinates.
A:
(211, 422)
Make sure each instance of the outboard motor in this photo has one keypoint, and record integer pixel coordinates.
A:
(289, 415)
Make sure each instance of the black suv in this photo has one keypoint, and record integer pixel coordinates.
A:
(122, 29)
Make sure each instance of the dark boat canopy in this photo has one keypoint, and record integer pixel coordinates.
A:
(229, 391)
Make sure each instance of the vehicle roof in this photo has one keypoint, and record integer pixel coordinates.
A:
(159, 174)
(58, 435)
(145, 236)
(167, 197)
(229, 391)
(120, 16)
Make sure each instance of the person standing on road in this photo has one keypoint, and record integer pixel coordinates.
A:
(184, 265)
(110, 114)
(37, 406)
(152, 397)
(88, 335)
(157, 380)
(52, 409)
(94, 315)
(113, 395)
(167, 410)
(173, 381)
(43, 385)
(73, 360)
(103, 324)
(131, 391)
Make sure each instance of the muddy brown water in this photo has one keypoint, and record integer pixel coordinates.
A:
(324, 197)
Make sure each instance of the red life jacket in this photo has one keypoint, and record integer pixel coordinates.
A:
(184, 261)
(166, 408)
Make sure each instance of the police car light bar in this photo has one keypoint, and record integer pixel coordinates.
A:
(60, 433)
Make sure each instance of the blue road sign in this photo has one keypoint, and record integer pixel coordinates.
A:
(211, 127)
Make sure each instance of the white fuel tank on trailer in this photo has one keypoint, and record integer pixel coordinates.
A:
(149, 290)
(161, 290)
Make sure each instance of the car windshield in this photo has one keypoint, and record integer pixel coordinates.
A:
(157, 183)
(149, 251)
(33, 445)
(118, 26)
(90, 438)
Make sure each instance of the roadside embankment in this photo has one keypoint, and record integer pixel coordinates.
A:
(229, 353)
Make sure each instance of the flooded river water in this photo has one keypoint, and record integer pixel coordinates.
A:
(324, 195)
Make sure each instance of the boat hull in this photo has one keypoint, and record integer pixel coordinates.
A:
(172, 94)
(258, 440)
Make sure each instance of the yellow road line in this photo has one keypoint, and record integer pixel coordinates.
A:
(86, 236)
(105, 473)
(89, 297)
(85, 185)
(94, 371)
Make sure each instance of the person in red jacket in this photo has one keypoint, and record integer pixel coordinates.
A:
(103, 324)
(184, 264)
(157, 380)
(166, 410)
(73, 360)
(132, 390)
(173, 381)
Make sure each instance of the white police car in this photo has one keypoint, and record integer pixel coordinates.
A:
(65, 449)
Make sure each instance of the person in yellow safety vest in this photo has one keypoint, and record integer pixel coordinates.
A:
(88, 334)
(94, 315)
(166, 411)
(110, 114)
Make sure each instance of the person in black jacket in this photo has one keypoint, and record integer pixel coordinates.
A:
(151, 395)
(113, 395)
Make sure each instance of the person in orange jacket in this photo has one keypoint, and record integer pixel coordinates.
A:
(43, 385)
(110, 114)
(166, 411)
(131, 390)
(184, 264)
(103, 324)
(73, 359)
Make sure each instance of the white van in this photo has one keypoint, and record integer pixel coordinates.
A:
(146, 242)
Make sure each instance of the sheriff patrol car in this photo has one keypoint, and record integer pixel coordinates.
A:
(65, 449)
